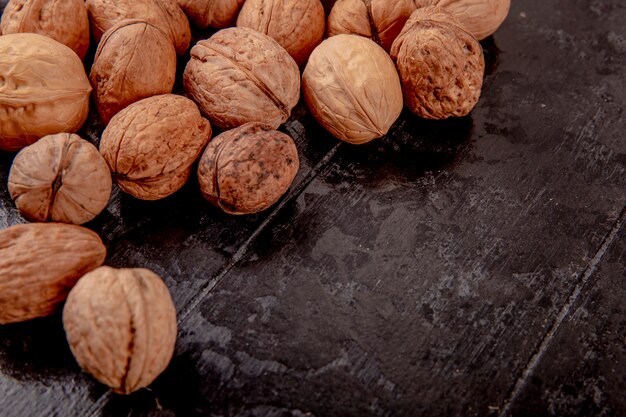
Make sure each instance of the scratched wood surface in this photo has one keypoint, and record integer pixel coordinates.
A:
(471, 267)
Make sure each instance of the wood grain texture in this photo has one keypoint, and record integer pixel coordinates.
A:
(417, 275)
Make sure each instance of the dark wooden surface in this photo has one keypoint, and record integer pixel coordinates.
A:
(471, 267)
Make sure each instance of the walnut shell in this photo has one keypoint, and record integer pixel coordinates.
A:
(134, 60)
(441, 65)
(352, 88)
(65, 21)
(121, 326)
(215, 13)
(43, 89)
(60, 178)
(151, 145)
(247, 169)
(379, 20)
(233, 83)
(39, 263)
(164, 14)
(297, 25)
(479, 17)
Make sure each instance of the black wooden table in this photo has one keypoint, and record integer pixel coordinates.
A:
(470, 267)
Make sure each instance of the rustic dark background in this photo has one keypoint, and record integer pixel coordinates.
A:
(470, 267)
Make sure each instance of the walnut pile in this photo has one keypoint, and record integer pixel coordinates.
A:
(65, 21)
(60, 178)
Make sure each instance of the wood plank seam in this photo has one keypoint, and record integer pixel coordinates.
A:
(565, 311)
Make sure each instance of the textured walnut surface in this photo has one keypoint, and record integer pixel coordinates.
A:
(352, 88)
(233, 83)
(297, 25)
(65, 21)
(121, 326)
(120, 74)
(151, 145)
(164, 14)
(214, 13)
(60, 178)
(441, 65)
(247, 169)
(43, 89)
(39, 263)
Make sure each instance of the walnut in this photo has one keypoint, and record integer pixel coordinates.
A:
(441, 65)
(151, 145)
(134, 60)
(60, 178)
(240, 75)
(480, 17)
(164, 14)
(215, 13)
(65, 21)
(121, 326)
(352, 88)
(39, 263)
(379, 20)
(247, 169)
(297, 25)
(43, 89)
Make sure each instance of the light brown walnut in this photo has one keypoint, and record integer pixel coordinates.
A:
(247, 169)
(39, 263)
(43, 89)
(215, 13)
(297, 25)
(151, 145)
(441, 65)
(121, 326)
(164, 14)
(352, 88)
(134, 60)
(60, 178)
(240, 75)
(65, 21)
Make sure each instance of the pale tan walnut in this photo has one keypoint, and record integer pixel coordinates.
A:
(43, 89)
(352, 88)
(151, 145)
(297, 25)
(39, 263)
(65, 21)
(441, 65)
(215, 13)
(379, 20)
(134, 60)
(164, 14)
(240, 75)
(60, 178)
(480, 17)
(121, 326)
(247, 169)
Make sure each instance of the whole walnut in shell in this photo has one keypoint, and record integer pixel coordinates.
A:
(215, 13)
(480, 17)
(134, 60)
(39, 263)
(352, 88)
(240, 75)
(379, 20)
(441, 65)
(60, 178)
(121, 326)
(151, 145)
(43, 89)
(65, 21)
(297, 25)
(164, 14)
(247, 169)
